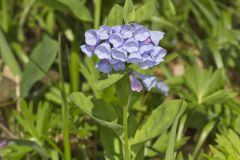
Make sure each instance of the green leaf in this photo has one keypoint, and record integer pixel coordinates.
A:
(100, 111)
(43, 56)
(169, 8)
(115, 16)
(112, 78)
(111, 143)
(145, 12)
(219, 97)
(150, 128)
(172, 138)
(205, 12)
(203, 136)
(123, 90)
(78, 9)
(213, 46)
(8, 56)
(40, 150)
(128, 11)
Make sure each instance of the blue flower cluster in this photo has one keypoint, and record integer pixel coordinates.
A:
(131, 43)
(120, 45)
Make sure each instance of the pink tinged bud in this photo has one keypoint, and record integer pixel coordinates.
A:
(135, 83)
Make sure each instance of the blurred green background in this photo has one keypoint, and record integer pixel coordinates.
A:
(202, 67)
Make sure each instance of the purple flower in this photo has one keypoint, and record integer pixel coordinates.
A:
(141, 34)
(104, 66)
(117, 29)
(131, 45)
(116, 40)
(119, 54)
(162, 87)
(87, 49)
(91, 37)
(135, 83)
(146, 47)
(147, 61)
(158, 54)
(127, 31)
(148, 81)
(123, 45)
(104, 32)
(103, 51)
(119, 66)
(134, 58)
(156, 36)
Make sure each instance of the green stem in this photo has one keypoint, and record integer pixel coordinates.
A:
(65, 112)
(97, 13)
(126, 148)
(4, 15)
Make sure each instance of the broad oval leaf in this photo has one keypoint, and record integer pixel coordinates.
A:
(158, 122)
(145, 12)
(128, 11)
(100, 111)
(115, 16)
(112, 78)
(42, 57)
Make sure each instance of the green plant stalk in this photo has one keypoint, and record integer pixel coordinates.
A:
(4, 16)
(97, 13)
(23, 18)
(65, 112)
(203, 136)
(126, 148)
(73, 70)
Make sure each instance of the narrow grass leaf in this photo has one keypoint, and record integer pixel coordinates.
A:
(172, 138)
(8, 56)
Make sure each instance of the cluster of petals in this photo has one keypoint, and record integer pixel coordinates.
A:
(120, 45)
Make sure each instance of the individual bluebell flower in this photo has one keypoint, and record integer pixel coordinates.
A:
(113, 61)
(103, 51)
(162, 87)
(135, 83)
(134, 58)
(148, 81)
(131, 45)
(158, 54)
(104, 66)
(137, 26)
(141, 34)
(146, 64)
(116, 40)
(119, 66)
(145, 48)
(104, 32)
(119, 54)
(156, 36)
(127, 31)
(147, 61)
(91, 37)
(87, 49)
(116, 29)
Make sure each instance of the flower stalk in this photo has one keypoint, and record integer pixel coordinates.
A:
(126, 147)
